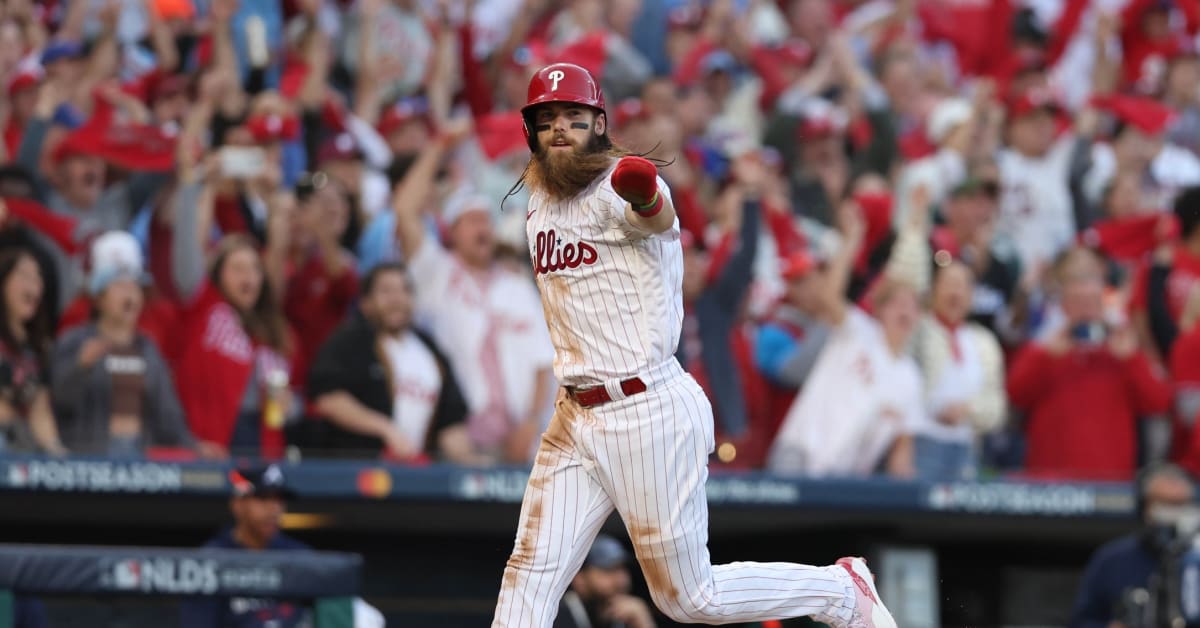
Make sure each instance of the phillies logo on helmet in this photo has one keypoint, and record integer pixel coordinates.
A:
(556, 76)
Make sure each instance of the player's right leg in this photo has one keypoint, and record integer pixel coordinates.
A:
(563, 510)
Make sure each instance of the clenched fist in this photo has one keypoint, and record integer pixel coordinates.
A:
(635, 179)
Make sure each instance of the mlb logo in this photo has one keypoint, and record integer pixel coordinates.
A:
(18, 475)
(127, 574)
(472, 486)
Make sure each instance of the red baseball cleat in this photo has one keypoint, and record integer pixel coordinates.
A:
(869, 611)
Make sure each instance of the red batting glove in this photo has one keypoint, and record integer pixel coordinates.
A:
(635, 179)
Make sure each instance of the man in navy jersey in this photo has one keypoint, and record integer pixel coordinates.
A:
(258, 504)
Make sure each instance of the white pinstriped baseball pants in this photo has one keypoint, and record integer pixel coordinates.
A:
(647, 457)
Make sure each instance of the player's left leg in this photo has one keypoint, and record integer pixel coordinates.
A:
(660, 442)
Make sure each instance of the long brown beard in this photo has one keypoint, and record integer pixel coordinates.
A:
(567, 174)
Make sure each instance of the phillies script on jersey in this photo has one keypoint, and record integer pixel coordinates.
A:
(552, 255)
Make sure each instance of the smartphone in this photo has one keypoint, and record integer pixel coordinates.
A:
(242, 162)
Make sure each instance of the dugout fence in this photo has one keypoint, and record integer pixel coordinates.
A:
(326, 583)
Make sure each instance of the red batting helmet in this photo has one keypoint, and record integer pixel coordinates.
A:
(560, 82)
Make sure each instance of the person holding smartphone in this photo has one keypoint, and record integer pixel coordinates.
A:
(1085, 385)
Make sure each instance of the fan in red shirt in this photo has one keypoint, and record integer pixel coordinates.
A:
(1184, 275)
(1148, 39)
(22, 97)
(233, 372)
(1086, 385)
(1185, 373)
(321, 283)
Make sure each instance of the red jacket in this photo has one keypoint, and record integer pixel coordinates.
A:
(1082, 410)
(216, 363)
(315, 304)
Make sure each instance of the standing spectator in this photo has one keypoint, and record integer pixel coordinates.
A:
(483, 314)
(1183, 74)
(113, 393)
(1185, 373)
(317, 275)
(18, 231)
(1036, 211)
(384, 386)
(791, 339)
(599, 594)
(158, 317)
(863, 398)
(951, 126)
(26, 417)
(716, 298)
(1179, 270)
(1139, 146)
(1085, 384)
(76, 181)
(234, 364)
(969, 234)
(963, 370)
(259, 500)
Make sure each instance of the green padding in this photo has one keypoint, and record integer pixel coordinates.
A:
(332, 612)
(6, 609)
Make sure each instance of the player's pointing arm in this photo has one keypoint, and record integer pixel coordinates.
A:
(635, 179)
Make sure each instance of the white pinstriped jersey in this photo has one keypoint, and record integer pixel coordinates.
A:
(611, 293)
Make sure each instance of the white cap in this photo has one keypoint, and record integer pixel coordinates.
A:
(462, 202)
(945, 117)
(115, 254)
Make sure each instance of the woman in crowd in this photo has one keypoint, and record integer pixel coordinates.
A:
(26, 418)
(112, 388)
(963, 368)
(234, 366)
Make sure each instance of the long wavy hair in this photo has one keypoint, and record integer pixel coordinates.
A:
(264, 321)
(38, 332)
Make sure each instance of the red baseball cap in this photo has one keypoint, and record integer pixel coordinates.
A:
(797, 265)
(23, 81)
(341, 147)
(1033, 100)
(1145, 114)
(273, 127)
(405, 110)
(629, 110)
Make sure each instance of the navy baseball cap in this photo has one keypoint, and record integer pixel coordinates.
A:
(606, 553)
(61, 50)
(260, 482)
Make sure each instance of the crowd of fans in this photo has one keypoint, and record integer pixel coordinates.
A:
(922, 238)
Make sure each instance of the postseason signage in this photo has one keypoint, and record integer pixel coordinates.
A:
(105, 476)
(346, 479)
(141, 571)
(1048, 500)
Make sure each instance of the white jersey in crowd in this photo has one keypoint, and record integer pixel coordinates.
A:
(416, 385)
(858, 399)
(1035, 202)
(612, 295)
(489, 327)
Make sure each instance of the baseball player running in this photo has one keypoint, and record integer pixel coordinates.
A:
(631, 430)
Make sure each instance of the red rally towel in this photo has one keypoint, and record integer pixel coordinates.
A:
(1128, 239)
(61, 229)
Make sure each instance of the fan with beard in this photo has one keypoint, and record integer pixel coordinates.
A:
(567, 173)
